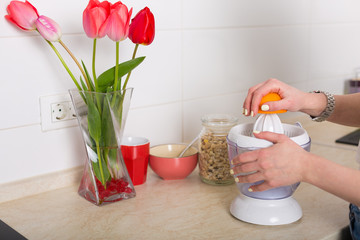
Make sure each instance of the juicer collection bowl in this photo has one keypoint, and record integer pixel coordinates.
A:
(240, 140)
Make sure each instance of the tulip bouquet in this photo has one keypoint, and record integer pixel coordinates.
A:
(100, 19)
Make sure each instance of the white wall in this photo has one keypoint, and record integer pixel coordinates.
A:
(205, 56)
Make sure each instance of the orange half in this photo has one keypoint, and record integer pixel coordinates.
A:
(270, 97)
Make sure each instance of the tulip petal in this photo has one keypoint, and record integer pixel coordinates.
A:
(48, 28)
(116, 26)
(22, 14)
(94, 16)
(34, 9)
(142, 27)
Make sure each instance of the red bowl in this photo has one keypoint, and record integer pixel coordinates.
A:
(165, 163)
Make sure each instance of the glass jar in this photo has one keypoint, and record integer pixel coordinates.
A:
(214, 164)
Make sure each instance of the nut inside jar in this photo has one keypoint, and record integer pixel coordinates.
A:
(213, 159)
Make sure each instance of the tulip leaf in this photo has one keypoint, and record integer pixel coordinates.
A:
(106, 79)
(112, 158)
(105, 171)
(83, 84)
(94, 120)
(107, 126)
(88, 76)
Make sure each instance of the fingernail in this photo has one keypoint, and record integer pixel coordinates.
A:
(236, 179)
(256, 131)
(231, 172)
(245, 112)
(252, 113)
(250, 190)
(265, 107)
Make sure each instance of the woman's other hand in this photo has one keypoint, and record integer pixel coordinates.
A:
(284, 163)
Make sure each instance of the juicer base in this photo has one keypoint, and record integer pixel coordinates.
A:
(265, 212)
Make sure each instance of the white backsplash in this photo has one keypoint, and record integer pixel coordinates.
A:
(205, 56)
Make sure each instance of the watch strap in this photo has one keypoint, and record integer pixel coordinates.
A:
(330, 106)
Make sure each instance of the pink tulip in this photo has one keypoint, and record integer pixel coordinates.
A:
(94, 16)
(22, 14)
(48, 28)
(116, 26)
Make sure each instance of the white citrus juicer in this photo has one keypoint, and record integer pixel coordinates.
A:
(274, 206)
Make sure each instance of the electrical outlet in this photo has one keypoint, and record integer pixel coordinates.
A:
(57, 111)
(62, 111)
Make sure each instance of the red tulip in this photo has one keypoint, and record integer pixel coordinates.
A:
(116, 26)
(94, 16)
(22, 14)
(142, 27)
(48, 28)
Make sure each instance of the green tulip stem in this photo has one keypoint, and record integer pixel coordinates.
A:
(116, 74)
(77, 63)
(94, 76)
(128, 75)
(116, 67)
(100, 164)
(64, 64)
(93, 65)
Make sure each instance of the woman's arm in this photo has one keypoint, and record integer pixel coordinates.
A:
(346, 112)
(285, 162)
(334, 178)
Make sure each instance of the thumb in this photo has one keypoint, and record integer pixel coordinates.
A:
(270, 136)
(274, 105)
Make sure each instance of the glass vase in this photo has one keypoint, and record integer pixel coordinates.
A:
(101, 118)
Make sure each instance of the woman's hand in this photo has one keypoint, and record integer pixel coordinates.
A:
(292, 98)
(284, 163)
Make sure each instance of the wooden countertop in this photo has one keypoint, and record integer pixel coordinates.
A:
(182, 209)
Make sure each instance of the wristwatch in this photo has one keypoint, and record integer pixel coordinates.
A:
(329, 107)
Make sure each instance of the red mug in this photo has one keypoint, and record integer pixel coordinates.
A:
(135, 151)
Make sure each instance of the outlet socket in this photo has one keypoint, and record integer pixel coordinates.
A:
(62, 111)
(57, 111)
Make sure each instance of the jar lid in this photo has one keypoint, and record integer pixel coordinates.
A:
(219, 120)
